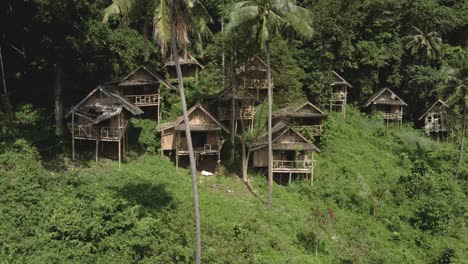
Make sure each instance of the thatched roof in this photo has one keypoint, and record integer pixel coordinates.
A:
(178, 123)
(99, 112)
(375, 99)
(228, 94)
(438, 102)
(340, 80)
(299, 110)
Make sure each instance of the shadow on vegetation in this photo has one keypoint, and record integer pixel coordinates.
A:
(149, 196)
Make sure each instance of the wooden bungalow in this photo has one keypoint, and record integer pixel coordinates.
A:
(142, 88)
(339, 96)
(293, 154)
(387, 102)
(206, 133)
(252, 76)
(102, 116)
(435, 119)
(188, 64)
(305, 116)
(233, 106)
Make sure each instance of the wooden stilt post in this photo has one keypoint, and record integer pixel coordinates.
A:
(289, 181)
(73, 135)
(120, 152)
(312, 170)
(97, 150)
(159, 107)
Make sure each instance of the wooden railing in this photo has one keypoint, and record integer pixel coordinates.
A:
(338, 96)
(206, 148)
(313, 129)
(393, 116)
(93, 132)
(224, 113)
(144, 99)
(256, 83)
(281, 165)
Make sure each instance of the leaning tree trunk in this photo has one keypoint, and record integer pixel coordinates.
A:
(270, 146)
(58, 103)
(193, 168)
(462, 142)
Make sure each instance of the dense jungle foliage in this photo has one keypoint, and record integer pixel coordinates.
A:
(380, 194)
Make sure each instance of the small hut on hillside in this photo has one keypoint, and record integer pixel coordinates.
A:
(207, 138)
(142, 88)
(234, 105)
(252, 76)
(302, 116)
(293, 154)
(339, 96)
(188, 64)
(102, 116)
(390, 104)
(435, 119)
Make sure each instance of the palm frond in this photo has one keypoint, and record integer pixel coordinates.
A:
(162, 26)
(243, 15)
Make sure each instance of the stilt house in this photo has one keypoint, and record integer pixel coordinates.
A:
(387, 102)
(435, 119)
(305, 116)
(102, 116)
(188, 64)
(234, 106)
(207, 138)
(142, 88)
(293, 154)
(252, 76)
(339, 96)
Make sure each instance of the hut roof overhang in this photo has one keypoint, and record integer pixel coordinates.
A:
(374, 99)
(185, 58)
(100, 112)
(247, 65)
(155, 79)
(228, 94)
(341, 80)
(178, 123)
(279, 130)
(442, 103)
(293, 111)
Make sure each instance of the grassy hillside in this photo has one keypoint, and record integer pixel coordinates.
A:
(380, 195)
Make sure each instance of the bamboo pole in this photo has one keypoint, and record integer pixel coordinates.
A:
(120, 153)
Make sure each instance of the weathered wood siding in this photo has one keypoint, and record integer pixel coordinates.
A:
(168, 139)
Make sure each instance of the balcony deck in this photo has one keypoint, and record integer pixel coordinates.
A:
(144, 99)
(292, 166)
(88, 132)
(393, 116)
(208, 149)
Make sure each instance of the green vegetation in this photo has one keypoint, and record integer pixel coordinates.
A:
(380, 195)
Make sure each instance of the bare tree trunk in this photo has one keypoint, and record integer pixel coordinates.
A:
(270, 146)
(462, 142)
(146, 51)
(5, 93)
(193, 168)
(245, 160)
(58, 103)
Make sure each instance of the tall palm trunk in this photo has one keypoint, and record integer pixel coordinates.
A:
(193, 168)
(270, 145)
(58, 103)
(146, 51)
(462, 143)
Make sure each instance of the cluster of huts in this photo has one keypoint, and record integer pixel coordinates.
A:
(103, 115)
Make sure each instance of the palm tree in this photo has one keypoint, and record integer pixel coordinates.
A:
(457, 87)
(265, 19)
(424, 46)
(173, 21)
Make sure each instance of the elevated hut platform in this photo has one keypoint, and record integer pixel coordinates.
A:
(302, 117)
(102, 116)
(389, 104)
(206, 132)
(435, 119)
(339, 95)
